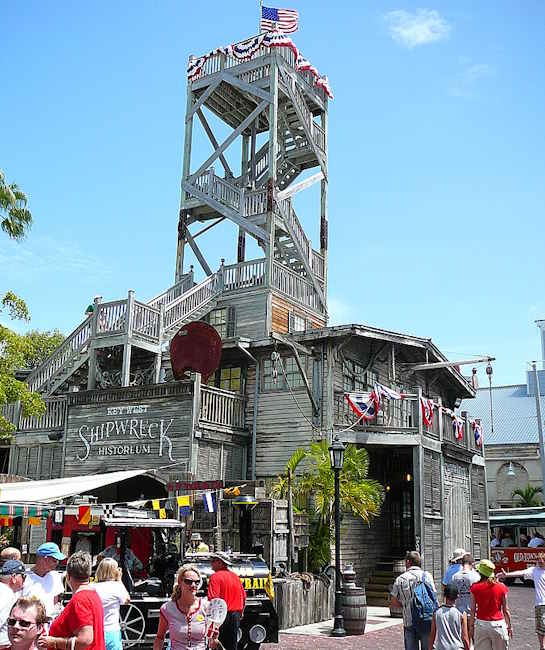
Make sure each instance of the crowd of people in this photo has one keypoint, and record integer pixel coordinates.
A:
(474, 612)
(32, 616)
(504, 539)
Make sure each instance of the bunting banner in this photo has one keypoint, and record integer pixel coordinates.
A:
(162, 513)
(209, 500)
(388, 393)
(427, 411)
(247, 49)
(478, 432)
(184, 508)
(84, 515)
(364, 405)
(457, 427)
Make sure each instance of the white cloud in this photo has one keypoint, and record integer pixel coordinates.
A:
(419, 28)
(468, 80)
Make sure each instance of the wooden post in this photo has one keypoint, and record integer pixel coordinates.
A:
(324, 224)
(186, 168)
(273, 147)
(159, 355)
(126, 369)
(218, 541)
(195, 423)
(92, 373)
(291, 535)
(418, 482)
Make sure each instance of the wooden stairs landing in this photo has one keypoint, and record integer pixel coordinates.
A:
(379, 584)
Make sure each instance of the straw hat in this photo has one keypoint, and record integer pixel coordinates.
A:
(458, 554)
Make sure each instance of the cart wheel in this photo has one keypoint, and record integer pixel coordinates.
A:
(133, 625)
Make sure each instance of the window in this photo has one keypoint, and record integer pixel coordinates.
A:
(296, 323)
(36, 461)
(223, 320)
(293, 375)
(355, 378)
(230, 379)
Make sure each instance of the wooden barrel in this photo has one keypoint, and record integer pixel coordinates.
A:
(354, 604)
(398, 569)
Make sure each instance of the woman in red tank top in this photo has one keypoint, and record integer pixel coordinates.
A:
(490, 623)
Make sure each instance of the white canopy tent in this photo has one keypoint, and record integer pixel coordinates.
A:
(60, 488)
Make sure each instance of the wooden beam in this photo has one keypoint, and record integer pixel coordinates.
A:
(211, 225)
(294, 348)
(198, 253)
(213, 140)
(249, 88)
(206, 94)
(247, 225)
(302, 185)
(446, 364)
(241, 127)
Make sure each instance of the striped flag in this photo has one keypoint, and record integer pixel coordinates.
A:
(279, 20)
(209, 500)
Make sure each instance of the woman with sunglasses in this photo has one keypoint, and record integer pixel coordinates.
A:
(185, 615)
(26, 623)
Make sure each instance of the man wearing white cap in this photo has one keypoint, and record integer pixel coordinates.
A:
(454, 566)
(43, 581)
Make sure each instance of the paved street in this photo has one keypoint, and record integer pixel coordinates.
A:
(521, 603)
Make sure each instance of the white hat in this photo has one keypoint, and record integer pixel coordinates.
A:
(458, 554)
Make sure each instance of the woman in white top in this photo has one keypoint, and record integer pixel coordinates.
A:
(185, 615)
(113, 594)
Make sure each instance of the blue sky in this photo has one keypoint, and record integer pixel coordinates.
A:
(436, 159)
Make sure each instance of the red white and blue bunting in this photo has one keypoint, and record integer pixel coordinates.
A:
(245, 50)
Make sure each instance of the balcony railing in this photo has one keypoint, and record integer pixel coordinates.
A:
(222, 408)
(394, 415)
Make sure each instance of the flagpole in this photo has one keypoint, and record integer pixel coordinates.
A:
(260, 14)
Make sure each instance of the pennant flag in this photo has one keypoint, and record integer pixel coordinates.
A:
(427, 411)
(279, 20)
(389, 393)
(209, 500)
(34, 521)
(84, 515)
(162, 513)
(269, 587)
(108, 509)
(364, 405)
(478, 432)
(184, 509)
(155, 504)
(6, 521)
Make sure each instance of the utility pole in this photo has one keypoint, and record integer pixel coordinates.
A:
(539, 426)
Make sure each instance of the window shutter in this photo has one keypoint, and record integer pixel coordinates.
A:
(231, 322)
(291, 321)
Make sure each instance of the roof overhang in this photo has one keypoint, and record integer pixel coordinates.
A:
(60, 488)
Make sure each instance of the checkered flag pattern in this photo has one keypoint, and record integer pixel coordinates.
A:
(108, 509)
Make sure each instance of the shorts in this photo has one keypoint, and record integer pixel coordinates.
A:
(112, 640)
(540, 619)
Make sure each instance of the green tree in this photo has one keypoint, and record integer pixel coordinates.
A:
(15, 217)
(313, 490)
(528, 497)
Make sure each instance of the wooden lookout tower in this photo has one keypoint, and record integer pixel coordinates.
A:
(259, 90)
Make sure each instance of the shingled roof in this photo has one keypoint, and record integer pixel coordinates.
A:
(515, 420)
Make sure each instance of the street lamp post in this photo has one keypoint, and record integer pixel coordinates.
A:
(336, 456)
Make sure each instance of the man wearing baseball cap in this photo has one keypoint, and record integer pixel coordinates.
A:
(12, 577)
(43, 581)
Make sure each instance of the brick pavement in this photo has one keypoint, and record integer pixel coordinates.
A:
(521, 604)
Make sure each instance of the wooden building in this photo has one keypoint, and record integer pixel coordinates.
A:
(111, 401)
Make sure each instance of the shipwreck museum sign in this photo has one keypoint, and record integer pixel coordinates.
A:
(102, 437)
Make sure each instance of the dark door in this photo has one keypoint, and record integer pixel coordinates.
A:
(400, 499)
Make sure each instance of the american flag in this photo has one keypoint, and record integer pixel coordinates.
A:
(281, 20)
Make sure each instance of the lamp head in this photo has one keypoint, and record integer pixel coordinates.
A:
(336, 453)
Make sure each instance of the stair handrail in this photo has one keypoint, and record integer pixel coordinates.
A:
(292, 222)
(172, 293)
(71, 345)
(213, 282)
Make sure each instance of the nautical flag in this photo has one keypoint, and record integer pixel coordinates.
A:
(389, 393)
(34, 521)
(155, 504)
(184, 508)
(209, 500)
(478, 431)
(427, 411)
(232, 491)
(279, 20)
(162, 513)
(364, 405)
(84, 515)
(108, 509)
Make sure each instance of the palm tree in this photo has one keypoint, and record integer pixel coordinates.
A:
(528, 496)
(315, 485)
(15, 218)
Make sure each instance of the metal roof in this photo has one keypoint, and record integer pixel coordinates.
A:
(514, 411)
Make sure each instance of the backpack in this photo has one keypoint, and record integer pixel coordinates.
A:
(423, 605)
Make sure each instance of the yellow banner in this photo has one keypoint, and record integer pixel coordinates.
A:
(183, 501)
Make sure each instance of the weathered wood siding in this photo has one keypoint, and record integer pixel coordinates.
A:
(250, 313)
(280, 315)
(35, 460)
(219, 460)
(299, 603)
(457, 503)
(481, 537)
(119, 435)
(364, 544)
(281, 429)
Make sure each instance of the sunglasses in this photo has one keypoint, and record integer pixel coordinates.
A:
(24, 624)
(190, 582)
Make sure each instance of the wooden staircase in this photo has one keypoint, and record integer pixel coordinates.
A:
(379, 584)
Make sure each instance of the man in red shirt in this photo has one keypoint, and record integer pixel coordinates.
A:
(225, 584)
(80, 626)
